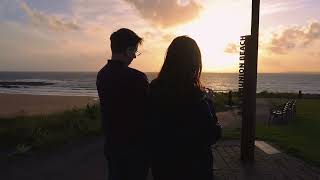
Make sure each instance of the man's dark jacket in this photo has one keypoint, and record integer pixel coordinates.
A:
(123, 95)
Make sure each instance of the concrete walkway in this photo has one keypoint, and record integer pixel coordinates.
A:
(232, 119)
(268, 164)
(85, 161)
(229, 119)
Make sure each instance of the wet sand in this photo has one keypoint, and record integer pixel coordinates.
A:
(21, 104)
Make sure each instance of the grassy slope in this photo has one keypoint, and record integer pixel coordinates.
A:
(45, 131)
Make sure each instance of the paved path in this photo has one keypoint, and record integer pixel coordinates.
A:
(231, 118)
(263, 109)
(85, 161)
(76, 161)
(276, 166)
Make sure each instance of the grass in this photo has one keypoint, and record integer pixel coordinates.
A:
(46, 131)
(299, 138)
(267, 94)
(229, 133)
(220, 101)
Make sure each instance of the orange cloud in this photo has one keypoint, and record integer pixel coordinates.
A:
(293, 38)
(287, 39)
(167, 13)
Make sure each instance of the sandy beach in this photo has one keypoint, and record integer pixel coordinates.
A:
(22, 104)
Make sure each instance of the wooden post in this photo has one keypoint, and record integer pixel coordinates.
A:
(250, 87)
(300, 95)
(230, 103)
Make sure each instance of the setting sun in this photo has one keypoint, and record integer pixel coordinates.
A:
(217, 26)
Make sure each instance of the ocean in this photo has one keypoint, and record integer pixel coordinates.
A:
(83, 83)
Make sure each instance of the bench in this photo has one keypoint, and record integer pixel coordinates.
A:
(283, 114)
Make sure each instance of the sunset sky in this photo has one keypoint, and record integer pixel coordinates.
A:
(73, 35)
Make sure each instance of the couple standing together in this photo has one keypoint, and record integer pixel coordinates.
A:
(167, 125)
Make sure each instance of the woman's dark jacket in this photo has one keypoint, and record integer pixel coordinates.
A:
(181, 132)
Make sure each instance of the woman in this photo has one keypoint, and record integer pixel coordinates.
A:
(183, 119)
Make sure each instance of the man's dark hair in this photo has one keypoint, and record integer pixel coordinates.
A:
(122, 39)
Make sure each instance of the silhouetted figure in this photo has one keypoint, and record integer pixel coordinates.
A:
(183, 120)
(123, 95)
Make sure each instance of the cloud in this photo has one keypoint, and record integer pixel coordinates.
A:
(23, 47)
(41, 19)
(313, 32)
(166, 13)
(157, 35)
(232, 48)
(109, 15)
(315, 54)
(56, 46)
(285, 40)
(294, 37)
(275, 6)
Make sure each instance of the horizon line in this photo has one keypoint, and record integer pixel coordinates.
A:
(213, 72)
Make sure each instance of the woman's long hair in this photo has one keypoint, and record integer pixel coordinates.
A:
(182, 66)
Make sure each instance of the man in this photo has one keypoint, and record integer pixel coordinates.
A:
(123, 95)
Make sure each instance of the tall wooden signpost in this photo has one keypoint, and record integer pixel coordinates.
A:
(248, 84)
